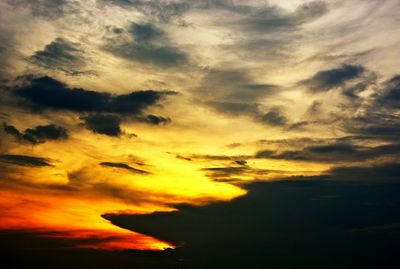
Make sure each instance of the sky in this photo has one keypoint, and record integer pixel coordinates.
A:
(201, 134)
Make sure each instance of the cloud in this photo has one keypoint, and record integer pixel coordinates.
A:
(329, 79)
(335, 152)
(235, 86)
(124, 166)
(256, 17)
(145, 43)
(38, 134)
(24, 160)
(273, 18)
(274, 118)
(61, 55)
(48, 93)
(237, 93)
(107, 124)
(391, 93)
(156, 120)
(261, 227)
(382, 172)
(160, 11)
(43, 8)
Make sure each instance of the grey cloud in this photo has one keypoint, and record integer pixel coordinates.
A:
(272, 18)
(329, 79)
(274, 118)
(146, 44)
(61, 55)
(43, 8)
(234, 86)
(391, 94)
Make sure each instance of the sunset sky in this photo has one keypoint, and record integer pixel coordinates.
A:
(225, 132)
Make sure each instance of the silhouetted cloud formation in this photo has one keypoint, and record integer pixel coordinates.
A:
(107, 124)
(323, 222)
(38, 134)
(48, 93)
(336, 152)
(25, 160)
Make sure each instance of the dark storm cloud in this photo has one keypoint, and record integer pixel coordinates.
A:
(124, 166)
(24, 160)
(329, 79)
(147, 44)
(48, 93)
(61, 55)
(107, 124)
(336, 152)
(38, 134)
(311, 218)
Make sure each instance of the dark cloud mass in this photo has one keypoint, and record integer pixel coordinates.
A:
(24, 160)
(104, 124)
(48, 93)
(336, 220)
(329, 79)
(62, 55)
(38, 134)
(146, 44)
